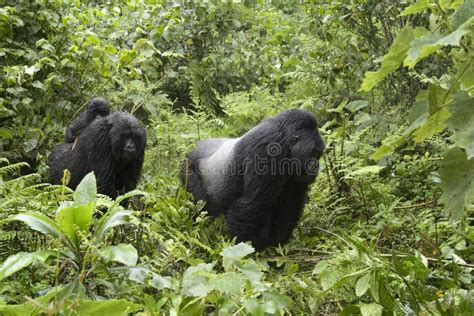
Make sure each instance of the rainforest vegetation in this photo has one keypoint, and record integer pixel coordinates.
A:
(388, 226)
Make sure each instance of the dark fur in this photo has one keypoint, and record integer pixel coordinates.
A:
(112, 146)
(96, 107)
(259, 206)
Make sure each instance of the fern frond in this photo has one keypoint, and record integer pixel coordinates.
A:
(9, 169)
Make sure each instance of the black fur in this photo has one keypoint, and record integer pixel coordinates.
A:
(112, 146)
(255, 180)
(96, 107)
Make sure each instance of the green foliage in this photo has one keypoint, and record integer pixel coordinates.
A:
(388, 226)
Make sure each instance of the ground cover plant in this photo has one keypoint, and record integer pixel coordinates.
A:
(388, 225)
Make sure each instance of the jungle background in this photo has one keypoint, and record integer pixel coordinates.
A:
(388, 227)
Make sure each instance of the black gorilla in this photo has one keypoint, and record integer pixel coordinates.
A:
(96, 107)
(259, 180)
(111, 146)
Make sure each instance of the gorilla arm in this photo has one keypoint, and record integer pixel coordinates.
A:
(250, 216)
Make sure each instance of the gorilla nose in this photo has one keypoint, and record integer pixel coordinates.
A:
(130, 147)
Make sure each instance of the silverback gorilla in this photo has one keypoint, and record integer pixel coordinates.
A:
(96, 107)
(112, 146)
(260, 180)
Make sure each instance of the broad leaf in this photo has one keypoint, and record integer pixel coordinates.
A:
(417, 7)
(391, 61)
(237, 252)
(363, 284)
(229, 282)
(39, 222)
(15, 263)
(462, 122)
(464, 13)
(21, 260)
(457, 182)
(71, 217)
(196, 280)
(118, 218)
(108, 307)
(123, 253)
(86, 190)
(370, 309)
(429, 43)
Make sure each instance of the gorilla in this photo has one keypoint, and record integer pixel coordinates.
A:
(112, 146)
(260, 180)
(96, 107)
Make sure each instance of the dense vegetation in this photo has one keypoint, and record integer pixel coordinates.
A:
(388, 229)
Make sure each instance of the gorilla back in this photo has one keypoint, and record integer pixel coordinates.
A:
(260, 180)
(96, 107)
(112, 146)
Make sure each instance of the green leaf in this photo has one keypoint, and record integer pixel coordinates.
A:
(108, 307)
(366, 170)
(434, 124)
(39, 222)
(229, 282)
(462, 122)
(355, 106)
(457, 182)
(370, 309)
(70, 217)
(388, 147)
(362, 284)
(86, 190)
(237, 252)
(196, 280)
(21, 260)
(391, 61)
(464, 13)
(428, 44)
(159, 282)
(417, 7)
(117, 218)
(123, 253)
(15, 263)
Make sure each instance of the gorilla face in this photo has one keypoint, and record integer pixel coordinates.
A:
(127, 137)
(307, 149)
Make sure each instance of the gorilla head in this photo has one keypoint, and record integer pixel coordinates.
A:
(112, 146)
(96, 107)
(127, 136)
(259, 180)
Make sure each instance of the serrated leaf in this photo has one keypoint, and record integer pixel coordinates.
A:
(237, 252)
(391, 61)
(462, 122)
(362, 284)
(457, 182)
(229, 282)
(417, 7)
(123, 253)
(428, 44)
(370, 309)
(159, 282)
(434, 124)
(196, 280)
